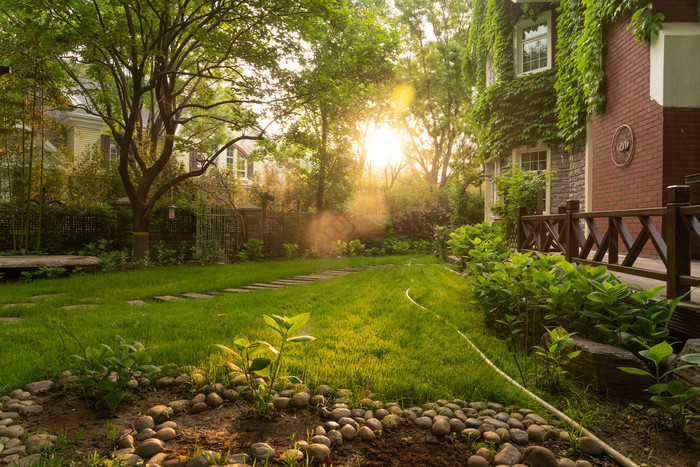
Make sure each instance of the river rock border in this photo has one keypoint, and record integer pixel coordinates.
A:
(516, 435)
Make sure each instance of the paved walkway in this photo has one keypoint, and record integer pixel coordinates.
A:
(48, 261)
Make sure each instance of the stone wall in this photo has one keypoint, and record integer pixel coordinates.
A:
(569, 181)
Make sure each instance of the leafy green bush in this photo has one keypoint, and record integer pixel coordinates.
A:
(291, 250)
(312, 253)
(419, 223)
(251, 250)
(355, 248)
(517, 188)
(338, 249)
(461, 240)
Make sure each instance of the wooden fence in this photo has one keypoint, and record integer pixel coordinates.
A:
(599, 238)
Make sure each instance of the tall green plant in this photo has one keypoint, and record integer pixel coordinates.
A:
(517, 188)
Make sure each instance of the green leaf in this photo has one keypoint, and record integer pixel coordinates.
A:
(301, 339)
(634, 371)
(293, 379)
(259, 364)
(660, 352)
(297, 322)
(658, 388)
(675, 388)
(241, 341)
(600, 297)
(275, 325)
(692, 358)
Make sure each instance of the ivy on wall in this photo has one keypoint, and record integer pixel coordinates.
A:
(548, 107)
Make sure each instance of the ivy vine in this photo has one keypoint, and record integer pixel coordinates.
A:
(549, 107)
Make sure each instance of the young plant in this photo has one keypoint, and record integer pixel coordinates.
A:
(291, 250)
(109, 370)
(555, 355)
(671, 396)
(251, 360)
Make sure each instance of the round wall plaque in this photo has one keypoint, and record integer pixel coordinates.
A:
(622, 146)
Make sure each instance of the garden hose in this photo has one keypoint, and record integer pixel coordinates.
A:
(619, 458)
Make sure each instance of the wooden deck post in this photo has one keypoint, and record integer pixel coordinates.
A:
(520, 234)
(572, 206)
(677, 241)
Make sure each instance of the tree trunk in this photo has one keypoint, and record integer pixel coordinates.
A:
(142, 220)
(321, 187)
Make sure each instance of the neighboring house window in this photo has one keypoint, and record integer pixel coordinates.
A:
(533, 44)
(113, 151)
(490, 69)
(242, 166)
(230, 157)
(534, 160)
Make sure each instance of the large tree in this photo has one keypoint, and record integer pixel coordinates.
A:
(336, 85)
(148, 68)
(436, 34)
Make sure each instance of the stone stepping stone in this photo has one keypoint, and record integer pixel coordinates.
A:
(9, 319)
(215, 293)
(268, 285)
(304, 278)
(75, 307)
(47, 295)
(195, 295)
(12, 305)
(136, 302)
(166, 298)
(335, 273)
(235, 290)
(288, 282)
(254, 287)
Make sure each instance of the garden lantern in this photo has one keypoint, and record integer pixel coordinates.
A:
(171, 207)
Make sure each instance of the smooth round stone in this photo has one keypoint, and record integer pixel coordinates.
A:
(129, 459)
(502, 416)
(376, 405)
(391, 421)
(318, 452)
(349, 433)
(199, 398)
(424, 422)
(179, 406)
(168, 424)
(564, 437)
(460, 415)
(441, 427)
(228, 394)
(292, 455)
(12, 431)
(527, 422)
(199, 407)
(457, 425)
(508, 455)
(516, 415)
(583, 463)
(515, 423)
(540, 456)
(203, 459)
(459, 403)
(491, 437)
(157, 459)
(496, 423)
(323, 390)
(340, 412)
(182, 379)
(495, 406)
(471, 433)
(239, 380)
(431, 406)
(357, 412)
(416, 410)
(366, 434)
(536, 433)
(12, 443)
(552, 431)
(319, 430)
(281, 403)
(36, 443)
(146, 433)
(446, 412)
(537, 419)
(485, 453)
(503, 433)
(366, 402)
(330, 425)
(477, 461)
(519, 436)
(125, 442)
(263, 451)
(373, 424)
(396, 410)
(321, 439)
(6, 422)
(160, 413)
(368, 414)
(164, 382)
(473, 423)
(20, 449)
(429, 413)
(336, 437)
(287, 393)
(214, 400)
(8, 415)
(346, 421)
(239, 458)
(486, 427)
(488, 412)
(300, 399)
(359, 421)
(38, 387)
(32, 409)
(150, 448)
(317, 400)
(165, 434)
(564, 462)
(590, 446)
(381, 413)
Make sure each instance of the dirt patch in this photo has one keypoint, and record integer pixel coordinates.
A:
(230, 429)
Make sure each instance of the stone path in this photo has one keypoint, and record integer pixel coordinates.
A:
(276, 284)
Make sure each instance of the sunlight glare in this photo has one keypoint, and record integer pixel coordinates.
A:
(384, 148)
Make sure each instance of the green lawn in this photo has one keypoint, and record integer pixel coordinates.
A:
(369, 335)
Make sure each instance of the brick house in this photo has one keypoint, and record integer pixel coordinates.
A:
(647, 136)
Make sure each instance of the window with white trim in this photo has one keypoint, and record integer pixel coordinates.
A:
(242, 166)
(533, 44)
(230, 157)
(113, 151)
(534, 160)
(490, 69)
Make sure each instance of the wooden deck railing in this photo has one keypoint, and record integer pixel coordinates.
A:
(596, 238)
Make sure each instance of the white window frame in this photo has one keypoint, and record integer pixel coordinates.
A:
(242, 165)
(517, 159)
(231, 157)
(113, 151)
(490, 69)
(544, 17)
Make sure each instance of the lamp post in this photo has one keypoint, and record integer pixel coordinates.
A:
(171, 208)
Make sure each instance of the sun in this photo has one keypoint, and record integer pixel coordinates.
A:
(384, 148)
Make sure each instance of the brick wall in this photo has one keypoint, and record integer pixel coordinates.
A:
(640, 183)
(682, 147)
(677, 11)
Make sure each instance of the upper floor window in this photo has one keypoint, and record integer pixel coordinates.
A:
(113, 151)
(533, 44)
(230, 157)
(242, 166)
(490, 69)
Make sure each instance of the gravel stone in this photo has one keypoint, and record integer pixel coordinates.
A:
(263, 451)
(374, 424)
(321, 439)
(214, 400)
(519, 436)
(144, 434)
(477, 461)
(540, 456)
(150, 448)
(340, 412)
(336, 437)
(391, 421)
(441, 427)
(165, 434)
(491, 437)
(318, 452)
(590, 446)
(300, 399)
(349, 433)
(536, 433)
(508, 455)
(471, 433)
(366, 434)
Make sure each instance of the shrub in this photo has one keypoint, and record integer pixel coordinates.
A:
(312, 253)
(290, 250)
(419, 223)
(338, 249)
(251, 250)
(355, 248)
(461, 240)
